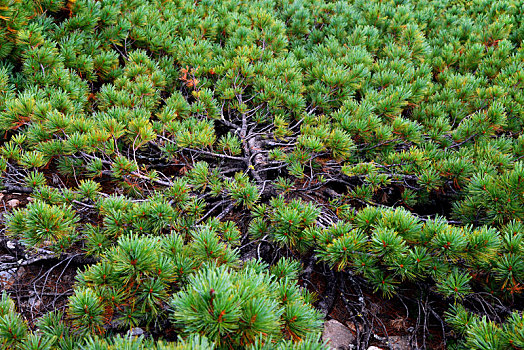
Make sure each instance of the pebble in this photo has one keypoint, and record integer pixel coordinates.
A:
(13, 203)
(337, 335)
(136, 332)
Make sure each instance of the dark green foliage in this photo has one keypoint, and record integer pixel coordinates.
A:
(481, 333)
(13, 329)
(238, 308)
(86, 311)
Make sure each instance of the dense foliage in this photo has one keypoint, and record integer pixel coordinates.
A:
(174, 140)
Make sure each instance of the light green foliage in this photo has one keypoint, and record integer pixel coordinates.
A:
(86, 311)
(44, 225)
(289, 224)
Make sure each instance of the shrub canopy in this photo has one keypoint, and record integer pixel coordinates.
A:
(172, 141)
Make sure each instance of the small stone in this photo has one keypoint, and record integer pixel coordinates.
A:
(136, 332)
(374, 348)
(337, 335)
(30, 199)
(13, 203)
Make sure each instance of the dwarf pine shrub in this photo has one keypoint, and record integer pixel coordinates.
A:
(172, 142)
